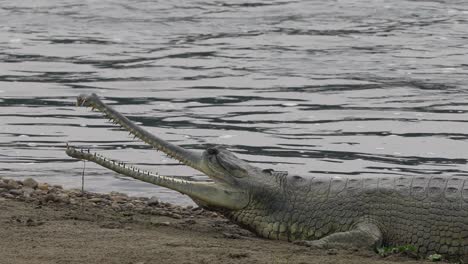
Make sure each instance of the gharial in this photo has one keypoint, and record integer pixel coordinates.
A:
(427, 212)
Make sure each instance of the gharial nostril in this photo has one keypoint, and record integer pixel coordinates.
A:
(212, 151)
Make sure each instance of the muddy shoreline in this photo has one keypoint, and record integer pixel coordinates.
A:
(41, 223)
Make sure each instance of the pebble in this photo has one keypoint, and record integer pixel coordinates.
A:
(27, 191)
(119, 199)
(12, 184)
(96, 200)
(115, 206)
(2, 190)
(16, 192)
(43, 186)
(214, 214)
(175, 216)
(31, 183)
(8, 195)
(128, 206)
(50, 197)
(153, 201)
(38, 192)
(63, 197)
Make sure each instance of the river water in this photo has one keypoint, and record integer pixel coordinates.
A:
(312, 87)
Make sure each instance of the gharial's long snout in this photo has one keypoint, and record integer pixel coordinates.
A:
(208, 194)
(190, 158)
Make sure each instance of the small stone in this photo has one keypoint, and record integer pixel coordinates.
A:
(73, 192)
(153, 201)
(175, 216)
(27, 191)
(3, 190)
(12, 184)
(7, 195)
(96, 200)
(50, 198)
(58, 187)
(119, 199)
(39, 192)
(63, 198)
(16, 192)
(43, 186)
(115, 206)
(105, 196)
(31, 183)
(128, 206)
(214, 215)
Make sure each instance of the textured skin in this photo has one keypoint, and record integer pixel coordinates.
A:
(430, 213)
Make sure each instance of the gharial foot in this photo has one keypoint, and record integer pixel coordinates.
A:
(364, 235)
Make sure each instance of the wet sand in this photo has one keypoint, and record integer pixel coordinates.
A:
(40, 223)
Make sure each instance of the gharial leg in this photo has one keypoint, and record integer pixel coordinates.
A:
(363, 235)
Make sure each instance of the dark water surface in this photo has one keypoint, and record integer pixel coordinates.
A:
(312, 87)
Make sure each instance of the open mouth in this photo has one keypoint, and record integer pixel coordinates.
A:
(213, 194)
(113, 116)
(175, 152)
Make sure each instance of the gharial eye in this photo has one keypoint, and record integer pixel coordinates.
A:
(212, 151)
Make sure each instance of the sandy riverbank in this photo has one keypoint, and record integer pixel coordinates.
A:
(47, 224)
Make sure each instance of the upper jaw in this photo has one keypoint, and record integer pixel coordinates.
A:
(188, 157)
